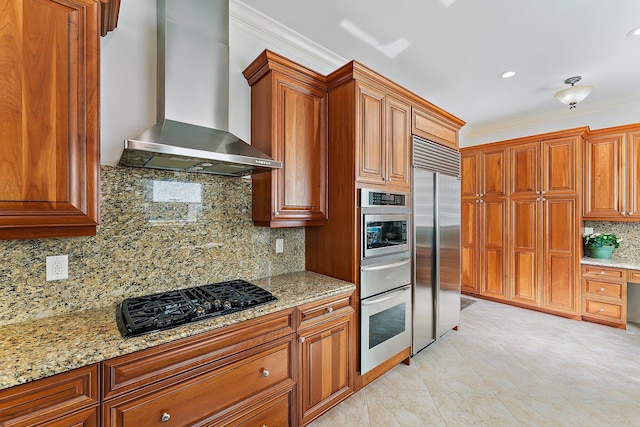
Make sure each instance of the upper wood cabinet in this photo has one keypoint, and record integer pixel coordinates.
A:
(436, 129)
(612, 175)
(383, 137)
(545, 168)
(288, 122)
(49, 118)
(485, 172)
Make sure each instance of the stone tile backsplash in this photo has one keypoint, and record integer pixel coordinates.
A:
(629, 232)
(159, 231)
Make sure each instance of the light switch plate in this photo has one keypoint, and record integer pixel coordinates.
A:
(279, 246)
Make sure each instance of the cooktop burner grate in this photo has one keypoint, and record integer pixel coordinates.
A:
(141, 315)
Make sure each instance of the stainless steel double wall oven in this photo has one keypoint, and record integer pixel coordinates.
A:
(385, 276)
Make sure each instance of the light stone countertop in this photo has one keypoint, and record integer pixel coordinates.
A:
(613, 262)
(48, 346)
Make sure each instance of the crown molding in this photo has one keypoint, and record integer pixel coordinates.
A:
(273, 32)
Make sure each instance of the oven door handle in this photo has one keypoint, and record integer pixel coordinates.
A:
(386, 297)
(385, 266)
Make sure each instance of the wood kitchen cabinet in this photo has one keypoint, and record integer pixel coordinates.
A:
(484, 190)
(288, 122)
(49, 117)
(612, 174)
(67, 399)
(604, 295)
(240, 374)
(436, 129)
(325, 356)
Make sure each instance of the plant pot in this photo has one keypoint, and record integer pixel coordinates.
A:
(603, 252)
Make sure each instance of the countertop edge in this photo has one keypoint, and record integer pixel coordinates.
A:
(613, 263)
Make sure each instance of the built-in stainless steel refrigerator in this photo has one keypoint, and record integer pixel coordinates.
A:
(436, 241)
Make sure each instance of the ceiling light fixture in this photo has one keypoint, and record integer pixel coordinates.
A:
(506, 74)
(571, 96)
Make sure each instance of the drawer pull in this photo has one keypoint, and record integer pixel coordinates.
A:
(602, 272)
(601, 289)
(265, 373)
(302, 339)
(330, 309)
(165, 417)
(601, 309)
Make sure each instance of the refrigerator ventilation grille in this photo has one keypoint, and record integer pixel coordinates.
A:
(435, 157)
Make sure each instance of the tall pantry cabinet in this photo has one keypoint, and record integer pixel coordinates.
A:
(539, 218)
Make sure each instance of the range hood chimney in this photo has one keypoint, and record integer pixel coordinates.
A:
(193, 97)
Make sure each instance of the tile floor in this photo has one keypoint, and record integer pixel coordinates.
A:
(507, 366)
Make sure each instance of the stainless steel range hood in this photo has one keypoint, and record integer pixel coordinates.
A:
(193, 97)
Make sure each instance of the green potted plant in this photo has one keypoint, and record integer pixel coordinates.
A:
(601, 245)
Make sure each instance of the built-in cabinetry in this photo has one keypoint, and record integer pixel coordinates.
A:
(50, 116)
(612, 174)
(484, 199)
(520, 221)
(68, 399)
(325, 356)
(604, 295)
(288, 122)
(281, 369)
(436, 128)
(370, 121)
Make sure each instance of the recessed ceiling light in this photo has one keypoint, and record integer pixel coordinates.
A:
(506, 74)
(634, 33)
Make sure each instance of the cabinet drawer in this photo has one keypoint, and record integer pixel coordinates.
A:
(604, 289)
(594, 271)
(325, 309)
(634, 276)
(425, 125)
(273, 414)
(201, 399)
(603, 310)
(46, 399)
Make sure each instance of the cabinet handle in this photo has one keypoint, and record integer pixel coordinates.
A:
(602, 272)
(330, 309)
(542, 192)
(265, 373)
(165, 417)
(601, 309)
(601, 289)
(302, 339)
(276, 213)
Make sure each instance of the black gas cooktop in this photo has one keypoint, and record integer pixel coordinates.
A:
(140, 315)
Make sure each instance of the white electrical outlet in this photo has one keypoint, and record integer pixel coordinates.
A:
(279, 246)
(57, 267)
(588, 230)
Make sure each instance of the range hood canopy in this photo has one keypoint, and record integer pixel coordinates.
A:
(193, 84)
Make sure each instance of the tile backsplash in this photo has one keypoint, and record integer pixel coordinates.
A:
(629, 232)
(159, 231)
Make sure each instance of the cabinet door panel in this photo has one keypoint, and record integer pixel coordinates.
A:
(525, 169)
(470, 171)
(494, 248)
(525, 225)
(371, 147)
(560, 291)
(602, 177)
(470, 236)
(495, 173)
(633, 174)
(559, 173)
(49, 116)
(398, 135)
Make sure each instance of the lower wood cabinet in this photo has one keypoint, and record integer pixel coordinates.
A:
(325, 356)
(67, 399)
(604, 295)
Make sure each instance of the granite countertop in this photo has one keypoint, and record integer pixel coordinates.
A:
(44, 347)
(613, 262)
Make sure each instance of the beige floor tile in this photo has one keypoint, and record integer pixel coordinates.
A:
(473, 409)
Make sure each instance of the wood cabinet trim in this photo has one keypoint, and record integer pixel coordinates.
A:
(110, 11)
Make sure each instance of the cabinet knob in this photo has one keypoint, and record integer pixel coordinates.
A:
(302, 339)
(602, 272)
(601, 309)
(265, 373)
(165, 417)
(330, 309)
(276, 213)
(601, 289)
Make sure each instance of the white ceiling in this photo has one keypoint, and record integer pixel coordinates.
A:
(456, 48)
